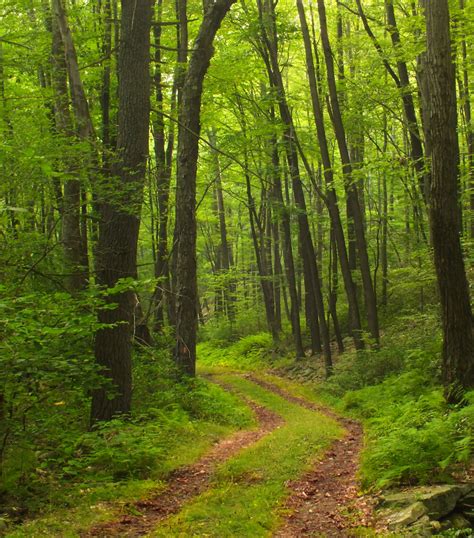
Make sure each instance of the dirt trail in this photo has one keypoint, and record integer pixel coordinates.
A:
(325, 501)
(187, 482)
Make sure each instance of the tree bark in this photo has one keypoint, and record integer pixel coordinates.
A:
(120, 212)
(163, 157)
(227, 259)
(284, 218)
(315, 304)
(64, 63)
(188, 146)
(351, 189)
(458, 343)
(331, 196)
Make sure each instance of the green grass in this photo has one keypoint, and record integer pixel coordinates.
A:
(101, 502)
(247, 491)
(107, 470)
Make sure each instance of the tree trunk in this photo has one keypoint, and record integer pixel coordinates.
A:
(74, 240)
(333, 286)
(315, 303)
(458, 344)
(120, 212)
(190, 127)
(465, 95)
(225, 247)
(163, 157)
(352, 194)
(331, 196)
(284, 218)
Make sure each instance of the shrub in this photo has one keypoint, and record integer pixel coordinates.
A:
(248, 353)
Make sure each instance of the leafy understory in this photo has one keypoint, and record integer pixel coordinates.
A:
(100, 473)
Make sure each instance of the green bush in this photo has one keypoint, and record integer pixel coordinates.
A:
(412, 435)
(250, 352)
(49, 372)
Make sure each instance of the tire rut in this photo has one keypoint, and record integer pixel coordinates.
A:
(325, 500)
(187, 482)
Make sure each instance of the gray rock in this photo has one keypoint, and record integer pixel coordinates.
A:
(407, 516)
(422, 528)
(455, 521)
(438, 500)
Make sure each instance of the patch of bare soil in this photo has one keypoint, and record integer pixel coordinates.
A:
(325, 500)
(186, 482)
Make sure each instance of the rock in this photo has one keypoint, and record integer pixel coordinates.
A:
(438, 500)
(422, 528)
(442, 500)
(455, 521)
(407, 516)
(467, 502)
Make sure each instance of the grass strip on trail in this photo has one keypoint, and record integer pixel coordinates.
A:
(247, 492)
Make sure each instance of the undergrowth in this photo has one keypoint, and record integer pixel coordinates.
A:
(58, 462)
(413, 436)
(246, 493)
(249, 353)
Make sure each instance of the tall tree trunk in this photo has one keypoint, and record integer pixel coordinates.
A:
(351, 188)
(225, 246)
(182, 43)
(120, 213)
(465, 95)
(458, 343)
(402, 81)
(284, 218)
(331, 196)
(333, 286)
(163, 157)
(64, 62)
(188, 146)
(315, 303)
(261, 264)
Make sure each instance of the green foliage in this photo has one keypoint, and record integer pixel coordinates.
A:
(412, 435)
(249, 353)
(48, 448)
(248, 321)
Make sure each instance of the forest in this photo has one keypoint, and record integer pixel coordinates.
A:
(236, 245)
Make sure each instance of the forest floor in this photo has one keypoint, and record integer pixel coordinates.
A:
(294, 475)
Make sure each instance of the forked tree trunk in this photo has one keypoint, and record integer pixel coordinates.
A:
(188, 146)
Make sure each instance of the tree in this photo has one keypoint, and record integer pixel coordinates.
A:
(331, 195)
(353, 199)
(441, 130)
(120, 207)
(188, 148)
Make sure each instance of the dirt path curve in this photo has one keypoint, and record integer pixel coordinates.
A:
(324, 501)
(187, 482)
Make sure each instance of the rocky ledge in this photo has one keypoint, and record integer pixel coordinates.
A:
(427, 511)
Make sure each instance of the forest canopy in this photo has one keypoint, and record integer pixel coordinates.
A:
(250, 183)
